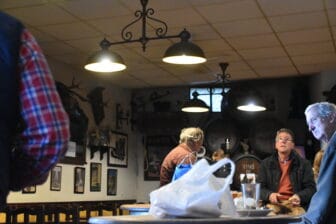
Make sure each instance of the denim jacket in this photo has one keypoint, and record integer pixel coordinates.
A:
(322, 209)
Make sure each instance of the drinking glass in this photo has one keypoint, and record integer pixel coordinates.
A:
(251, 193)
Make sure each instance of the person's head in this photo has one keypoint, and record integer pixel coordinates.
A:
(320, 119)
(284, 141)
(193, 137)
(218, 155)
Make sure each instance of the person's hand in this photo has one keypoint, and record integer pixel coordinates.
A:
(295, 200)
(273, 198)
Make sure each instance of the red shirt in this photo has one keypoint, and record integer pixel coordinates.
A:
(285, 185)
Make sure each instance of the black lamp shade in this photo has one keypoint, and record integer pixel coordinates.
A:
(184, 52)
(195, 106)
(105, 61)
(252, 103)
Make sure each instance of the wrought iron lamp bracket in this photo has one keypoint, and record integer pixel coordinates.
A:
(144, 15)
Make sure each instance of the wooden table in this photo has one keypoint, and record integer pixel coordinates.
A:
(136, 209)
(128, 219)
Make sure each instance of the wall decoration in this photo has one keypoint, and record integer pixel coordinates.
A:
(79, 180)
(121, 116)
(78, 123)
(99, 142)
(95, 97)
(118, 149)
(29, 190)
(157, 147)
(55, 178)
(112, 177)
(95, 176)
(75, 154)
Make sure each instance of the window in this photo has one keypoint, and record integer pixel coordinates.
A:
(212, 96)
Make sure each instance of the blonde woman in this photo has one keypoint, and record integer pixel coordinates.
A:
(191, 141)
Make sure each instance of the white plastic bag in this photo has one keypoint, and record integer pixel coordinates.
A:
(198, 193)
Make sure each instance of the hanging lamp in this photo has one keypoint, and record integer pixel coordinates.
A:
(184, 52)
(195, 105)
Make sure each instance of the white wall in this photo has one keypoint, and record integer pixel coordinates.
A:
(127, 177)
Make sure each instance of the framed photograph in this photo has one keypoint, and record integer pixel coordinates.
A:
(79, 180)
(112, 177)
(157, 147)
(95, 176)
(118, 149)
(55, 178)
(75, 154)
(29, 190)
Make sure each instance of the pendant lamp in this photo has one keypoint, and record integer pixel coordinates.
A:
(195, 105)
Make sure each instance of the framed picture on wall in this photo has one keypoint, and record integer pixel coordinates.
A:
(29, 190)
(112, 177)
(118, 149)
(95, 176)
(79, 180)
(75, 153)
(157, 147)
(55, 178)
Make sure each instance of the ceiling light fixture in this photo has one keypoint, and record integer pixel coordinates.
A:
(252, 103)
(195, 105)
(183, 52)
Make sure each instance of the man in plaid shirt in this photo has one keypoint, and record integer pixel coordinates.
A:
(28, 94)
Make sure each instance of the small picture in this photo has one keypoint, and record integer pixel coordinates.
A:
(112, 176)
(29, 190)
(95, 176)
(55, 178)
(79, 180)
(118, 149)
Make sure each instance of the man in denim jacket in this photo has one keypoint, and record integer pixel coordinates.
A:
(321, 121)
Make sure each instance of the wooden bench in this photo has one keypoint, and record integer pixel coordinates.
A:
(59, 212)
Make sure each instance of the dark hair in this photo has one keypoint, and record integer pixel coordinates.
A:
(286, 130)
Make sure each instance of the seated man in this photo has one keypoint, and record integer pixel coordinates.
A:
(218, 155)
(285, 177)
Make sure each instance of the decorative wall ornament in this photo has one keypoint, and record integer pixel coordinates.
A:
(78, 121)
(118, 149)
(97, 104)
(99, 141)
(121, 116)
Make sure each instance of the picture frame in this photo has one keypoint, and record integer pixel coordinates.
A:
(29, 190)
(79, 180)
(95, 176)
(157, 147)
(75, 154)
(112, 181)
(118, 149)
(56, 178)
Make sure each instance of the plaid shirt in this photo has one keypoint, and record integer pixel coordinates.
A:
(46, 135)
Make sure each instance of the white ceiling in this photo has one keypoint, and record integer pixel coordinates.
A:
(258, 38)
